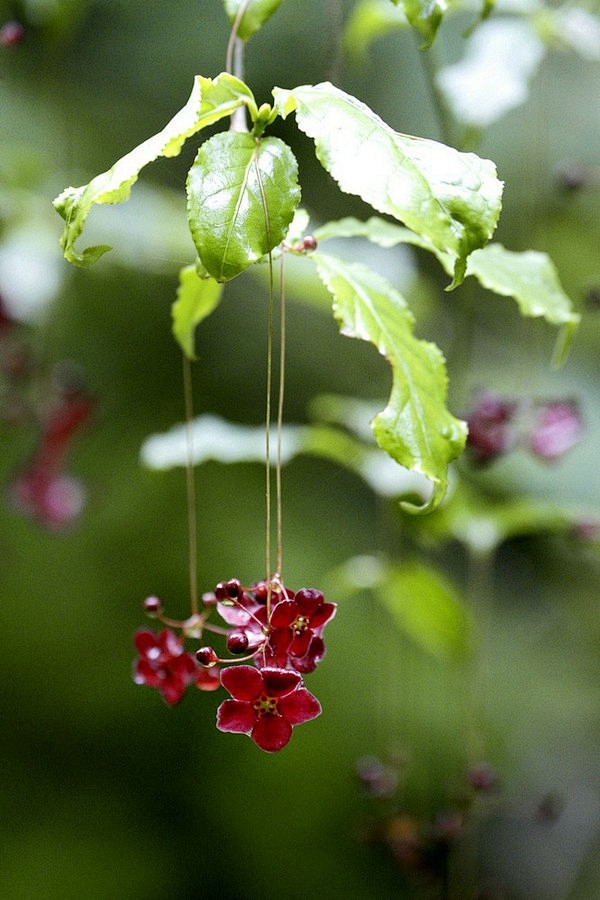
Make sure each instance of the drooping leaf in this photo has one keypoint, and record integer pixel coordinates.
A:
(242, 195)
(531, 279)
(196, 299)
(428, 609)
(210, 101)
(493, 77)
(451, 199)
(254, 16)
(415, 428)
(213, 438)
(424, 15)
(378, 231)
(368, 21)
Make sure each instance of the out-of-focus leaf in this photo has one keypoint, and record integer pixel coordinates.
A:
(213, 438)
(255, 15)
(428, 609)
(501, 57)
(424, 15)
(368, 21)
(450, 199)
(482, 522)
(415, 428)
(242, 195)
(210, 101)
(196, 299)
(577, 29)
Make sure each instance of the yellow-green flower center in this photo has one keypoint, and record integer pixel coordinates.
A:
(266, 705)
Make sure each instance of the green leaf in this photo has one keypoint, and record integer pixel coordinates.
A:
(231, 442)
(210, 101)
(428, 609)
(424, 15)
(255, 15)
(415, 428)
(451, 199)
(482, 521)
(368, 21)
(196, 299)
(529, 277)
(242, 195)
(378, 231)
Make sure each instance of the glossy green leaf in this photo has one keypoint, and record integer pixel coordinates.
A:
(255, 15)
(428, 609)
(424, 15)
(415, 428)
(531, 279)
(210, 101)
(196, 299)
(451, 199)
(242, 195)
(379, 231)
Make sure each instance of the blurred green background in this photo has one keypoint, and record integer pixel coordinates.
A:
(108, 793)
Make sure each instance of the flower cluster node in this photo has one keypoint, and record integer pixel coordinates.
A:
(279, 630)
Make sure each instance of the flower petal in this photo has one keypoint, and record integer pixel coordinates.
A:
(237, 716)
(271, 733)
(315, 654)
(300, 643)
(242, 682)
(208, 679)
(284, 614)
(299, 706)
(323, 614)
(169, 643)
(279, 682)
(144, 673)
(145, 640)
(173, 689)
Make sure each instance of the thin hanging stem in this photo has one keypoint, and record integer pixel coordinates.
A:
(269, 385)
(282, 337)
(190, 484)
(269, 388)
(233, 38)
(430, 62)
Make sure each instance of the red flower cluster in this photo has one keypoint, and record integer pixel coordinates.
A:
(279, 630)
(42, 489)
(497, 425)
(164, 664)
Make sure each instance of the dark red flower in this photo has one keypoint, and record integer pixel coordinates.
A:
(491, 430)
(42, 490)
(53, 499)
(164, 664)
(208, 679)
(295, 631)
(558, 428)
(266, 704)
